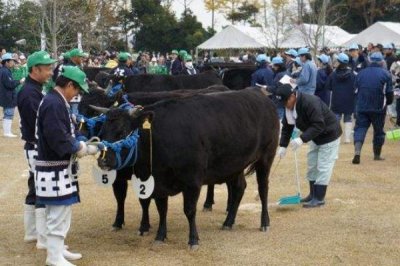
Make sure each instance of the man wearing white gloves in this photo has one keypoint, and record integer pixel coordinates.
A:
(56, 169)
(320, 128)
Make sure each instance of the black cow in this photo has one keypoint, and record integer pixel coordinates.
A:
(204, 139)
(97, 96)
(152, 83)
(237, 79)
(91, 72)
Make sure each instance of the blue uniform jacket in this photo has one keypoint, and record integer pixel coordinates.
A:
(55, 140)
(358, 64)
(263, 76)
(123, 69)
(307, 80)
(341, 83)
(56, 174)
(8, 96)
(28, 100)
(321, 91)
(374, 89)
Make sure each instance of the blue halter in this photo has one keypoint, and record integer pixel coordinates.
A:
(130, 142)
(91, 122)
(114, 90)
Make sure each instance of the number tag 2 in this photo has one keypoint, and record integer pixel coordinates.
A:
(103, 178)
(143, 189)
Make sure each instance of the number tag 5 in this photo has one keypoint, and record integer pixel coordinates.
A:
(143, 189)
(103, 178)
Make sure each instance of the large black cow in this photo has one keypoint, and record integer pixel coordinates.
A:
(97, 96)
(91, 72)
(204, 139)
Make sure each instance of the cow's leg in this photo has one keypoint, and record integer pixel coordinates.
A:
(230, 199)
(210, 198)
(120, 188)
(162, 208)
(262, 171)
(190, 198)
(145, 223)
(237, 185)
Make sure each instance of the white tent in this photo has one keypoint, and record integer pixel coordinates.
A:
(307, 35)
(234, 37)
(380, 32)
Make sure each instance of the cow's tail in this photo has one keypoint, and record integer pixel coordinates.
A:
(250, 169)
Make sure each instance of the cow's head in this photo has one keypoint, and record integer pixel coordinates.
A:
(119, 125)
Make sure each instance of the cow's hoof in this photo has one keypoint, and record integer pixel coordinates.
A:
(226, 228)
(159, 243)
(116, 228)
(143, 233)
(193, 247)
(264, 228)
(207, 209)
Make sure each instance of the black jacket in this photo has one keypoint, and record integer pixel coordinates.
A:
(28, 100)
(314, 119)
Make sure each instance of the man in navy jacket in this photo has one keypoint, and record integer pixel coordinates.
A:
(28, 100)
(374, 93)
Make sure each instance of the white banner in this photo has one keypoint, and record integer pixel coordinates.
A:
(42, 41)
(80, 41)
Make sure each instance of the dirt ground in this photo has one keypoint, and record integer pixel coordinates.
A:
(360, 224)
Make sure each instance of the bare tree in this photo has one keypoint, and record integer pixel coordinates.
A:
(319, 17)
(279, 19)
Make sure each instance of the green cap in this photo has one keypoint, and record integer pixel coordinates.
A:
(123, 56)
(174, 52)
(40, 58)
(66, 55)
(76, 74)
(183, 53)
(76, 53)
(188, 58)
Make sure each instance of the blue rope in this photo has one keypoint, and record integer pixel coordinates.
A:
(91, 122)
(114, 90)
(130, 142)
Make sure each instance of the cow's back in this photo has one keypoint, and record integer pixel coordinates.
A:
(221, 133)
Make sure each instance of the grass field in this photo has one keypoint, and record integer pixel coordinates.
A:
(360, 224)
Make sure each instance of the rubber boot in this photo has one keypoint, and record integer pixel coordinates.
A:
(7, 129)
(29, 223)
(348, 128)
(71, 256)
(357, 152)
(319, 197)
(377, 153)
(55, 247)
(311, 195)
(41, 228)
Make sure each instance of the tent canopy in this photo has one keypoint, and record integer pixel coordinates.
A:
(380, 32)
(231, 38)
(307, 34)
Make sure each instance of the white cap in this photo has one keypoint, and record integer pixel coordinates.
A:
(22, 57)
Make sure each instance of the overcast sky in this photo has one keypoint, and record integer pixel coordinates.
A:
(197, 6)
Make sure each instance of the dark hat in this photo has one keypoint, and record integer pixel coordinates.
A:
(283, 92)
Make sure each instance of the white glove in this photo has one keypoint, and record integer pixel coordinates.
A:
(83, 151)
(296, 143)
(281, 152)
(92, 149)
